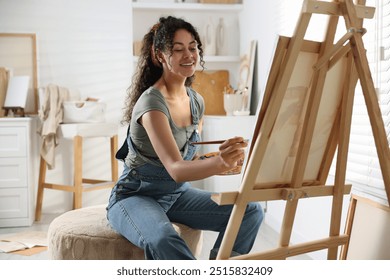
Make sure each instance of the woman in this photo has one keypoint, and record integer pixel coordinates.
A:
(165, 116)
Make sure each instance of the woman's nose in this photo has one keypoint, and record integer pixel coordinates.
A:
(188, 53)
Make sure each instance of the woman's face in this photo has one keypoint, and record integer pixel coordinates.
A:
(185, 54)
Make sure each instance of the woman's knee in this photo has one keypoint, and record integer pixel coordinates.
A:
(165, 243)
(164, 235)
(254, 213)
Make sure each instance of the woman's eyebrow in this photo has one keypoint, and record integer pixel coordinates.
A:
(182, 44)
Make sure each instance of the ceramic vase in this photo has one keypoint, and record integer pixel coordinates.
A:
(209, 41)
(221, 38)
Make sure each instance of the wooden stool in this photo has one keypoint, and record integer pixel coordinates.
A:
(85, 234)
(78, 132)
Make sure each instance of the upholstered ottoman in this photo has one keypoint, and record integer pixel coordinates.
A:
(85, 234)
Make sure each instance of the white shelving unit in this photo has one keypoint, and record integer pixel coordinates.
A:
(17, 165)
(161, 5)
(145, 14)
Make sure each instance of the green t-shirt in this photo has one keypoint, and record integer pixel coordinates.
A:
(152, 99)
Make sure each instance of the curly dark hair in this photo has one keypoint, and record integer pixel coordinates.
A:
(149, 69)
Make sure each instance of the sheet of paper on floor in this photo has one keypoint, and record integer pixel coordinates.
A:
(22, 240)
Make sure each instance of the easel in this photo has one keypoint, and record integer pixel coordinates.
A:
(305, 164)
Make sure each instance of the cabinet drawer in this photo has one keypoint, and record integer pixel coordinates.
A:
(13, 141)
(13, 172)
(13, 203)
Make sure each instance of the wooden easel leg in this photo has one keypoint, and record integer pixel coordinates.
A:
(114, 162)
(288, 222)
(345, 128)
(348, 227)
(330, 152)
(231, 231)
(369, 93)
(41, 182)
(78, 169)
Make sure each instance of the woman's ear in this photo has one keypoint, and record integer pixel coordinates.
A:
(160, 58)
(157, 58)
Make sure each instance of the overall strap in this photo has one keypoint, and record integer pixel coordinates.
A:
(121, 154)
(194, 108)
(124, 150)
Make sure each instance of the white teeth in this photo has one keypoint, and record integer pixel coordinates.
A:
(187, 64)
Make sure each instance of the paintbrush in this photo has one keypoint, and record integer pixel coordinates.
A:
(212, 142)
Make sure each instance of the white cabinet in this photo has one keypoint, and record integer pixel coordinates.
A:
(145, 14)
(17, 164)
(223, 127)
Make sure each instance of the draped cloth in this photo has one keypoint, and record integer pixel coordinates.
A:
(51, 115)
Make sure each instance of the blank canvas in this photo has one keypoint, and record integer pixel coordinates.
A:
(17, 92)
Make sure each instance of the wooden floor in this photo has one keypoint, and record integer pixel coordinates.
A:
(267, 239)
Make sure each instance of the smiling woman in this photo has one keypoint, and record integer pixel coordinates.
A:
(165, 116)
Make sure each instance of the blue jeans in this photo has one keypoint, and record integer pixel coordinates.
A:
(146, 222)
(146, 200)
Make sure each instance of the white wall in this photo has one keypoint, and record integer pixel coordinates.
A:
(258, 23)
(84, 45)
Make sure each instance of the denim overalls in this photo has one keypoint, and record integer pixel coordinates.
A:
(152, 179)
(146, 200)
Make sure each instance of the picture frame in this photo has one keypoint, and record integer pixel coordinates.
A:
(367, 243)
(246, 73)
(18, 54)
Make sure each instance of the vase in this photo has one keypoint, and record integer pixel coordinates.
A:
(221, 38)
(209, 42)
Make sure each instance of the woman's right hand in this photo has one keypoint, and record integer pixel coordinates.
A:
(232, 152)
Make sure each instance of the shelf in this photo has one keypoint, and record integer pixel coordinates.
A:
(145, 12)
(216, 58)
(229, 58)
(186, 6)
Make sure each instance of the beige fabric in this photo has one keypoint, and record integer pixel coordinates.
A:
(3, 89)
(85, 234)
(51, 114)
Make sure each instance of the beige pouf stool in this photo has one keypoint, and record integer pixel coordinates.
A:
(85, 234)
